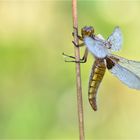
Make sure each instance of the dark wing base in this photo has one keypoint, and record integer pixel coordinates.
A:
(127, 71)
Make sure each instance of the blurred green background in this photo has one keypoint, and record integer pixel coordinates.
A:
(37, 88)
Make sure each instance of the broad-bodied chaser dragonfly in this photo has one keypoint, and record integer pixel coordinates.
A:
(127, 71)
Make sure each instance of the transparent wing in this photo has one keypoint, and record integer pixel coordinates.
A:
(96, 47)
(115, 40)
(131, 65)
(127, 71)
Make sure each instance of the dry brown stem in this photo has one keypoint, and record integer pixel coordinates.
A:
(78, 73)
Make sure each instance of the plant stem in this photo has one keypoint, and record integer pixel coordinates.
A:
(78, 73)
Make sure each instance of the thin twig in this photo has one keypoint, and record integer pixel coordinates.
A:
(78, 73)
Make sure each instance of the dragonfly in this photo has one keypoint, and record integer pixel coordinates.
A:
(127, 71)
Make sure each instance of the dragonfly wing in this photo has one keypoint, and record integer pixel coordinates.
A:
(131, 65)
(127, 71)
(96, 47)
(115, 40)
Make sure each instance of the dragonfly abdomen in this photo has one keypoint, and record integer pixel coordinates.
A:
(97, 73)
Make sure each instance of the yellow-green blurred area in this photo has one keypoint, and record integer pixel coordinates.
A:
(37, 88)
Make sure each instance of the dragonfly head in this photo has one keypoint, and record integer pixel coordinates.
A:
(87, 31)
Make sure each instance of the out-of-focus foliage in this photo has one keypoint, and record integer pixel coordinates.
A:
(37, 89)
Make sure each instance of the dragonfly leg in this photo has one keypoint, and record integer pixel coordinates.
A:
(79, 45)
(68, 55)
(79, 37)
(82, 60)
(75, 61)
